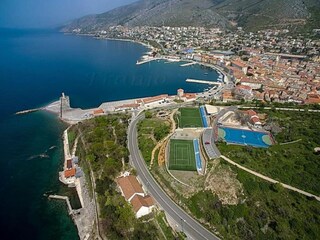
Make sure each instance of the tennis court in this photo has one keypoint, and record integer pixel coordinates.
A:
(182, 156)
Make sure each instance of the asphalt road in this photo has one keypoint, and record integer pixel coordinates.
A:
(190, 226)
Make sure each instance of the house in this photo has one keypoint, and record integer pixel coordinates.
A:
(227, 96)
(187, 97)
(69, 176)
(129, 187)
(130, 106)
(254, 119)
(98, 112)
(132, 191)
(70, 173)
(153, 100)
(69, 163)
(243, 91)
(142, 205)
(240, 65)
(312, 99)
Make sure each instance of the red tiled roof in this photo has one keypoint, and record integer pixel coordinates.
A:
(244, 87)
(189, 95)
(255, 119)
(154, 99)
(98, 111)
(70, 173)
(251, 112)
(313, 99)
(129, 186)
(239, 63)
(138, 202)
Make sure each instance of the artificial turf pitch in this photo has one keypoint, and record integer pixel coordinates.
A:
(182, 155)
(190, 118)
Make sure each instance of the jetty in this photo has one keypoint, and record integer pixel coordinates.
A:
(203, 81)
(147, 60)
(188, 64)
(65, 198)
(28, 111)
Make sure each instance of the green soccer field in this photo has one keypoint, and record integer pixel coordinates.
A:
(182, 155)
(190, 118)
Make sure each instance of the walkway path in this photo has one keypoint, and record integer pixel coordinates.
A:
(65, 198)
(270, 179)
(93, 187)
(159, 144)
(66, 146)
(75, 145)
(286, 143)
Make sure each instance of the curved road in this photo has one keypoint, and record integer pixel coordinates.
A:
(190, 226)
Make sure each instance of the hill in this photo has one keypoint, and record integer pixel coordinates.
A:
(227, 14)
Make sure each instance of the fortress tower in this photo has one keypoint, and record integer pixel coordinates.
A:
(64, 104)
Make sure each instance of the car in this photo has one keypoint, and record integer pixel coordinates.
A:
(207, 143)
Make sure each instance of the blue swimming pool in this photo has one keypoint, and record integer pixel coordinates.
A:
(245, 137)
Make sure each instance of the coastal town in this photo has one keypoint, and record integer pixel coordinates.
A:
(269, 65)
(265, 67)
(160, 119)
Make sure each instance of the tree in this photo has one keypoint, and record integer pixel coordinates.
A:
(148, 114)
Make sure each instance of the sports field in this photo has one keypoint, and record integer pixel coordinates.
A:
(190, 118)
(245, 137)
(182, 155)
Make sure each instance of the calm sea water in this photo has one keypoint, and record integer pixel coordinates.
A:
(35, 67)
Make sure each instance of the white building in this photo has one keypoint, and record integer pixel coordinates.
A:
(132, 191)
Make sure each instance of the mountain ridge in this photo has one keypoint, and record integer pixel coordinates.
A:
(225, 14)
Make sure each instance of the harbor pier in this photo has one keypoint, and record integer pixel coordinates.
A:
(203, 81)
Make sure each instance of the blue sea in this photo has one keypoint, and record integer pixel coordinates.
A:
(36, 66)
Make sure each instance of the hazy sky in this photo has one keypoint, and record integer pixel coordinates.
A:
(50, 13)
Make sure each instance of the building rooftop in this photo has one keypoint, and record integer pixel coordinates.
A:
(70, 173)
(129, 186)
(98, 111)
(138, 202)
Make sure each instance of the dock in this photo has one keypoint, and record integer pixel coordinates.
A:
(28, 111)
(65, 198)
(147, 60)
(203, 81)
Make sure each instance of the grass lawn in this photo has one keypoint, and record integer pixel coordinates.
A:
(190, 117)
(182, 155)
